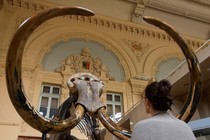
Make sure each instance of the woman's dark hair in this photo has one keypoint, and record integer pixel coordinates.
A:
(158, 93)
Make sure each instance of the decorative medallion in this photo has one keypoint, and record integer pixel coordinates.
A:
(83, 63)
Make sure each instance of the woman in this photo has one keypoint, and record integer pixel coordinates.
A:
(162, 125)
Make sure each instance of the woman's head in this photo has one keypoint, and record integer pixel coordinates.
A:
(158, 94)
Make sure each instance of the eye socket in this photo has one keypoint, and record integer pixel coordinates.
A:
(72, 80)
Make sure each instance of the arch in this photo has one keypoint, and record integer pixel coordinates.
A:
(43, 40)
(165, 66)
(156, 55)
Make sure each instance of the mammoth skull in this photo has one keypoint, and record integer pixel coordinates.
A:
(88, 87)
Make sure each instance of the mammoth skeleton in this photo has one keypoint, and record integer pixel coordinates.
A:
(86, 85)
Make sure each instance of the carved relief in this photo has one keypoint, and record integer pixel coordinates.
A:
(194, 45)
(25, 5)
(94, 21)
(138, 12)
(138, 48)
(180, 10)
(141, 77)
(150, 3)
(84, 63)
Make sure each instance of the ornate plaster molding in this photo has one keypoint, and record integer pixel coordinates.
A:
(104, 23)
(194, 45)
(88, 37)
(84, 63)
(134, 30)
(191, 13)
(23, 4)
(177, 9)
(138, 48)
(100, 22)
(138, 12)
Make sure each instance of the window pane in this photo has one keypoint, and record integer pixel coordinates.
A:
(46, 89)
(43, 111)
(54, 102)
(44, 101)
(53, 111)
(117, 98)
(53, 107)
(49, 101)
(55, 90)
(43, 106)
(117, 108)
(109, 109)
(109, 97)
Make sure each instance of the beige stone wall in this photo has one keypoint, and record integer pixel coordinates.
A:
(138, 47)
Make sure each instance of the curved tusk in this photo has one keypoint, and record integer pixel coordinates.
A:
(111, 126)
(13, 73)
(196, 84)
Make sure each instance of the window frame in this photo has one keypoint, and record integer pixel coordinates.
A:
(50, 96)
(114, 103)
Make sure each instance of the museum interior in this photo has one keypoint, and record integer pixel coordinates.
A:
(116, 45)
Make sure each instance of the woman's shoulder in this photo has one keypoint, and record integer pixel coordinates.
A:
(161, 118)
(145, 123)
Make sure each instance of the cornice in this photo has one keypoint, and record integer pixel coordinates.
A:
(190, 13)
(131, 29)
(157, 4)
(24, 4)
(102, 22)
(182, 9)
